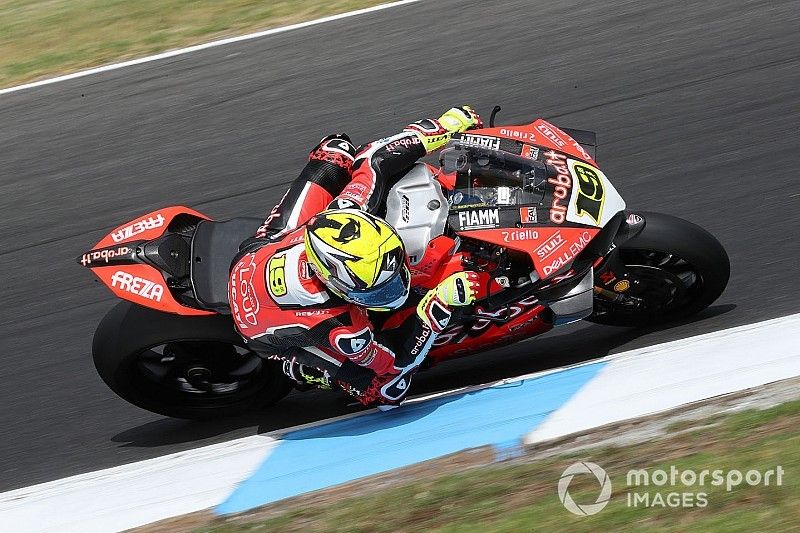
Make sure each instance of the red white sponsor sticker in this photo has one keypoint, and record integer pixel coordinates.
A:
(551, 135)
(244, 301)
(581, 151)
(515, 235)
(531, 152)
(138, 227)
(104, 255)
(565, 254)
(139, 286)
(527, 215)
(550, 246)
(304, 270)
(634, 219)
(519, 135)
(562, 185)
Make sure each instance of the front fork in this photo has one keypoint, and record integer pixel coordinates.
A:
(613, 280)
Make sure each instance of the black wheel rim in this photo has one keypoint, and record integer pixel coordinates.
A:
(199, 373)
(661, 284)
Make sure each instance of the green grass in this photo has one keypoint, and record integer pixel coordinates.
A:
(41, 38)
(523, 497)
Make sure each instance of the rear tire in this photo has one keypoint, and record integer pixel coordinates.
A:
(193, 367)
(692, 265)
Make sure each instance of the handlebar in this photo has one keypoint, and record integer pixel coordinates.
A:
(496, 110)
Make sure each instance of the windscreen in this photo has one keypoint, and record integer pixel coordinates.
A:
(486, 176)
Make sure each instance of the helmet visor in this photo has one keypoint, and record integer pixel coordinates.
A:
(388, 295)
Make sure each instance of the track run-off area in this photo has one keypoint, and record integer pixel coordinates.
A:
(696, 106)
(537, 409)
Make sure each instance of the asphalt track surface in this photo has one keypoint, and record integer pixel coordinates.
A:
(696, 105)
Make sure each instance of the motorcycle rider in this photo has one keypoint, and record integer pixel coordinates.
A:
(301, 288)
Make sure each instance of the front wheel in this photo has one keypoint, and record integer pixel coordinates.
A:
(672, 270)
(183, 366)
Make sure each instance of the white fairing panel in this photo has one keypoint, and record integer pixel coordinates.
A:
(593, 199)
(417, 209)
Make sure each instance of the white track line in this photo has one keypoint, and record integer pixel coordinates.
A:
(195, 48)
(135, 494)
(661, 377)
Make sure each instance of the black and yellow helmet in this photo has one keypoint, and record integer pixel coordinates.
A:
(359, 257)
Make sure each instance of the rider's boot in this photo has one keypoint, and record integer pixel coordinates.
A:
(306, 377)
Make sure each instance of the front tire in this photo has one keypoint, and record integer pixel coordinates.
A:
(676, 270)
(183, 366)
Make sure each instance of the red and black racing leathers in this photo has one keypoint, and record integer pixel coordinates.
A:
(284, 309)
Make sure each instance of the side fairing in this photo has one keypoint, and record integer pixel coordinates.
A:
(417, 209)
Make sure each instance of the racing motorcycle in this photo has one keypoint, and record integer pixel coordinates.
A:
(527, 207)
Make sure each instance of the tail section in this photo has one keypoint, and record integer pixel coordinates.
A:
(147, 260)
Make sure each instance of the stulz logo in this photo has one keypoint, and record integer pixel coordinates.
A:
(138, 227)
(492, 143)
(568, 254)
(551, 135)
(104, 255)
(138, 286)
(550, 246)
(482, 218)
(562, 182)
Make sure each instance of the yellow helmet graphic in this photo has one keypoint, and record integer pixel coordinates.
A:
(359, 257)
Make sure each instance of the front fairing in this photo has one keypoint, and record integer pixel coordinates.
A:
(528, 188)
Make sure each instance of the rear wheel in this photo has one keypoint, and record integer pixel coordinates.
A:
(183, 367)
(674, 269)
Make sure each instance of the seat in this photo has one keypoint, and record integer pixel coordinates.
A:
(214, 245)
